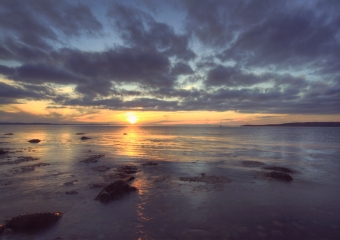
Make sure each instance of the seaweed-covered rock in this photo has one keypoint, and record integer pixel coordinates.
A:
(85, 138)
(79, 133)
(279, 169)
(279, 176)
(33, 221)
(34, 141)
(115, 191)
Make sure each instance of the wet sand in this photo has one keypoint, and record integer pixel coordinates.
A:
(223, 198)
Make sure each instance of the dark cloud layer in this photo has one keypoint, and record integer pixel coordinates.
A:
(265, 56)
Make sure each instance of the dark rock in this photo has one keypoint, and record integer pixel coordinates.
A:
(252, 163)
(3, 151)
(8, 134)
(127, 169)
(1, 228)
(279, 176)
(85, 138)
(149, 164)
(71, 192)
(33, 221)
(279, 169)
(79, 133)
(34, 141)
(93, 158)
(115, 191)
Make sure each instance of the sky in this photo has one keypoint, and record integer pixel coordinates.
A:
(157, 62)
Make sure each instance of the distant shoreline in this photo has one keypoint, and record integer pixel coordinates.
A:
(95, 124)
(299, 124)
(296, 124)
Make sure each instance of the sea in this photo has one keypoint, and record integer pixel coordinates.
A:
(193, 182)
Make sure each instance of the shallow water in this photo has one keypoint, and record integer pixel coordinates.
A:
(165, 207)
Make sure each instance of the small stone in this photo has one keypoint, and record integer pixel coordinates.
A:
(277, 223)
(252, 163)
(71, 192)
(100, 168)
(262, 234)
(97, 185)
(115, 191)
(3, 151)
(279, 176)
(93, 158)
(127, 169)
(149, 164)
(34, 141)
(85, 138)
(276, 232)
(70, 183)
(280, 169)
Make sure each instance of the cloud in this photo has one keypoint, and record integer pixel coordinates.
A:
(11, 94)
(140, 29)
(269, 33)
(250, 56)
(232, 76)
(36, 23)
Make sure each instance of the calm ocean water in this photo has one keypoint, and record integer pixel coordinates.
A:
(165, 207)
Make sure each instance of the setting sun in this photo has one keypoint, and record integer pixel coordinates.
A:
(131, 118)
